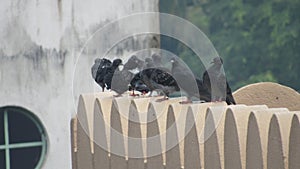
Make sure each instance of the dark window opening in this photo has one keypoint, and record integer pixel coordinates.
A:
(22, 139)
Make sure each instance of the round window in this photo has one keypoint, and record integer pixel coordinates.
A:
(22, 139)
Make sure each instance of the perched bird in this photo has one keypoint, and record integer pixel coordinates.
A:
(133, 63)
(110, 72)
(95, 67)
(229, 97)
(149, 63)
(122, 78)
(99, 71)
(192, 86)
(157, 79)
(157, 60)
(204, 94)
(216, 83)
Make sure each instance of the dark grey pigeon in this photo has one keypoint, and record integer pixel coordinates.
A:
(133, 63)
(122, 78)
(220, 90)
(157, 60)
(149, 63)
(110, 72)
(187, 81)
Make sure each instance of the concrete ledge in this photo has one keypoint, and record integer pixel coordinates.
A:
(271, 94)
(206, 135)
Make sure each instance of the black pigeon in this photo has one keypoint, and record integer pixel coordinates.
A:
(185, 79)
(220, 87)
(109, 72)
(157, 79)
(122, 78)
(203, 92)
(99, 71)
(149, 63)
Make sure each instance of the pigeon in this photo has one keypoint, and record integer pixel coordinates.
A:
(109, 72)
(157, 79)
(221, 88)
(99, 71)
(157, 60)
(133, 63)
(186, 79)
(122, 78)
(95, 67)
(229, 97)
(204, 94)
(149, 63)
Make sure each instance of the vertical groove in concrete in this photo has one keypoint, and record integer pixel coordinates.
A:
(200, 113)
(294, 144)
(135, 147)
(117, 148)
(254, 155)
(232, 156)
(173, 154)
(275, 158)
(285, 121)
(154, 158)
(263, 119)
(191, 145)
(100, 158)
(211, 145)
(84, 155)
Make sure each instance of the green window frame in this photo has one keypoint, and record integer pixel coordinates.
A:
(7, 147)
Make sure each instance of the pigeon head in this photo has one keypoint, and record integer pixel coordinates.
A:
(156, 58)
(117, 62)
(149, 62)
(133, 62)
(174, 61)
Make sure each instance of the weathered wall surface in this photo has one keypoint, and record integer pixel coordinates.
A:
(39, 45)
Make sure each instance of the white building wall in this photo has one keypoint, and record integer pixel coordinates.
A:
(39, 43)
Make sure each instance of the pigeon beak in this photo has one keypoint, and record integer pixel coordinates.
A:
(172, 61)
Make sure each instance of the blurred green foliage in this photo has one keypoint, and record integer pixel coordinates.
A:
(259, 40)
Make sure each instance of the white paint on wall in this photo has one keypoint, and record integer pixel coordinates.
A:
(39, 42)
